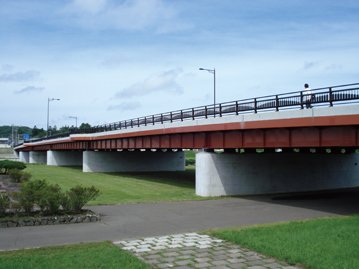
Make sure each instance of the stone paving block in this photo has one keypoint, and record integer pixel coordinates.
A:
(202, 265)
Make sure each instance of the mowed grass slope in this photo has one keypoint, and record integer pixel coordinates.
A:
(123, 187)
(330, 243)
(89, 256)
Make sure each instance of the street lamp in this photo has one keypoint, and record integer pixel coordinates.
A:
(48, 112)
(212, 71)
(75, 118)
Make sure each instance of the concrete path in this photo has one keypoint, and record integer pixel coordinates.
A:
(192, 250)
(142, 220)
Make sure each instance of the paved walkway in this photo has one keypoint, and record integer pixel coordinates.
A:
(192, 250)
(124, 222)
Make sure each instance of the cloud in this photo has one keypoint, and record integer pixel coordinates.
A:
(19, 76)
(131, 15)
(125, 106)
(310, 65)
(164, 82)
(6, 68)
(29, 89)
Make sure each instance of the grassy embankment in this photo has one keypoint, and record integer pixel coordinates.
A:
(329, 243)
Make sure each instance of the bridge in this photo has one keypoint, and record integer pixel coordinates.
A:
(270, 144)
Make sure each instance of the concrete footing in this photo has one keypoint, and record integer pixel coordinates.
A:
(64, 158)
(246, 174)
(37, 157)
(24, 156)
(132, 161)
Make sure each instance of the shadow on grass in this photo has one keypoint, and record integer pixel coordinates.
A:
(175, 178)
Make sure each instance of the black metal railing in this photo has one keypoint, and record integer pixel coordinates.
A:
(340, 94)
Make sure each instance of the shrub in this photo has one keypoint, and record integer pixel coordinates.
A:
(78, 196)
(4, 202)
(30, 194)
(50, 199)
(190, 162)
(7, 165)
(19, 176)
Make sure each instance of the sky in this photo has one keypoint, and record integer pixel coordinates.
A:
(111, 60)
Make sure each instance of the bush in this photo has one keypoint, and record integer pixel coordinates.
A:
(4, 202)
(7, 165)
(30, 194)
(78, 196)
(50, 199)
(19, 176)
(190, 162)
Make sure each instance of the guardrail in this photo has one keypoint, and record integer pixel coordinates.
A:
(331, 95)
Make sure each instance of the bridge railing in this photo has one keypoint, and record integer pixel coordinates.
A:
(340, 94)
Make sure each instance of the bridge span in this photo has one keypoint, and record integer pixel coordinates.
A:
(302, 149)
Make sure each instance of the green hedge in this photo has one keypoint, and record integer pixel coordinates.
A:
(7, 165)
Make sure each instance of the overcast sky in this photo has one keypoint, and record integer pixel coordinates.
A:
(110, 60)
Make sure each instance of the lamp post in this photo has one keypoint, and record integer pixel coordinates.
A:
(75, 118)
(212, 71)
(48, 112)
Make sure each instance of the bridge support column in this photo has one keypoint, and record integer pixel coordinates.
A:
(132, 161)
(24, 156)
(64, 158)
(247, 174)
(37, 157)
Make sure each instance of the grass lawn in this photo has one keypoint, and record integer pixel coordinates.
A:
(329, 243)
(92, 255)
(123, 187)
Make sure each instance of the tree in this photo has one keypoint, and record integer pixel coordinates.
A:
(85, 126)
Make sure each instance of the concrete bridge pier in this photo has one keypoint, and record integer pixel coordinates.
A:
(24, 156)
(64, 158)
(220, 174)
(133, 161)
(37, 157)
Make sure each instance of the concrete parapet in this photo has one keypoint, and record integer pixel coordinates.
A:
(132, 161)
(24, 156)
(245, 174)
(37, 157)
(64, 158)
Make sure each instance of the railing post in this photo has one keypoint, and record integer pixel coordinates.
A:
(214, 110)
(220, 110)
(131, 123)
(153, 119)
(120, 125)
(138, 122)
(171, 116)
(145, 121)
(192, 113)
(237, 108)
(181, 115)
(205, 112)
(276, 103)
(255, 105)
(330, 97)
(301, 100)
(161, 118)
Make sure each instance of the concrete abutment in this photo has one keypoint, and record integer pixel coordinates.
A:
(220, 174)
(64, 158)
(24, 156)
(37, 157)
(133, 161)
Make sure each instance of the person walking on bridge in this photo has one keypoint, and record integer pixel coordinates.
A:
(307, 96)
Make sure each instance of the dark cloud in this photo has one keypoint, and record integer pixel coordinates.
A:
(20, 76)
(164, 82)
(29, 89)
(310, 65)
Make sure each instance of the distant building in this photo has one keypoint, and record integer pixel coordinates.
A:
(4, 142)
